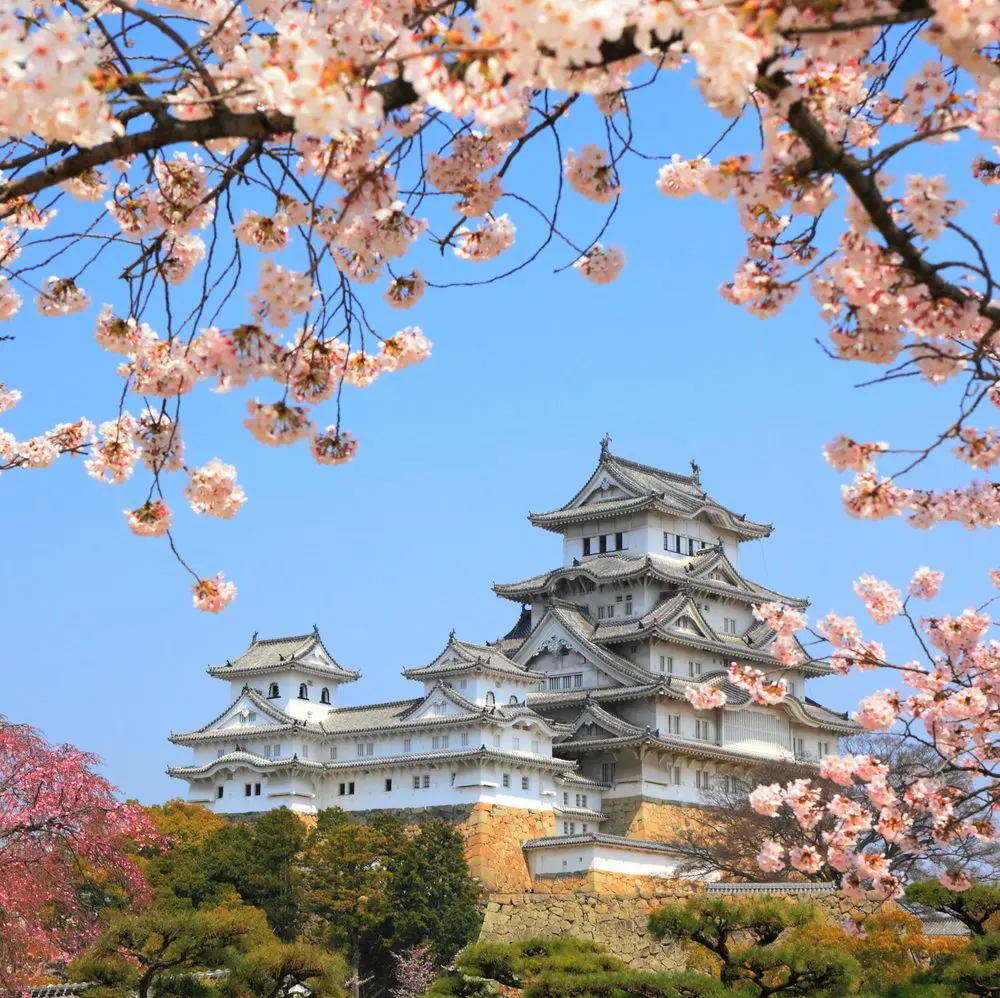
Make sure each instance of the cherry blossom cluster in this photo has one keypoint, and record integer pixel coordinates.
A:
(951, 703)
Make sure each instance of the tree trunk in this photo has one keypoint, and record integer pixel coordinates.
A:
(355, 968)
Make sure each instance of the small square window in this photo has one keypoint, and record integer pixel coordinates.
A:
(388, 785)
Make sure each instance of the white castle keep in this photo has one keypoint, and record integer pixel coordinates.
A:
(579, 705)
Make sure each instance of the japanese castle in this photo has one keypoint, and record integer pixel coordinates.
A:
(579, 708)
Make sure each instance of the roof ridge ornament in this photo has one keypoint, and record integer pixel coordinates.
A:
(253, 640)
(605, 445)
(696, 471)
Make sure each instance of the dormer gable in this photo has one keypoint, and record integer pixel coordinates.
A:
(443, 702)
(594, 722)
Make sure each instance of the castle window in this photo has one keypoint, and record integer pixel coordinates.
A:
(491, 699)
(619, 542)
(440, 708)
(345, 789)
(465, 738)
(584, 829)
(303, 691)
(333, 753)
(416, 782)
(252, 716)
(628, 604)
(673, 724)
(729, 625)
(667, 664)
(219, 753)
(388, 785)
(463, 683)
(272, 691)
(506, 781)
(586, 546)
(513, 700)
(603, 543)
(256, 790)
(824, 748)
(425, 781)
(219, 792)
(702, 779)
(607, 772)
(497, 741)
(534, 747)
(694, 668)
(703, 730)
(566, 799)
(600, 613)
(247, 789)
(678, 780)
(324, 695)
(305, 751)
(516, 743)
(800, 747)
(406, 744)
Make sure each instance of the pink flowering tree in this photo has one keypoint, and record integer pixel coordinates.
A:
(415, 972)
(316, 145)
(63, 839)
(861, 819)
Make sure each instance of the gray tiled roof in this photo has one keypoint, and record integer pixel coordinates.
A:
(593, 713)
(266, 654)
(599, 838)
(693, 570)
(259, 762)
(673, 493)
(464, 656)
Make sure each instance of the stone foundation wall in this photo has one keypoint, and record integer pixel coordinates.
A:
(619, 922)
(645, 818)
(493, 838)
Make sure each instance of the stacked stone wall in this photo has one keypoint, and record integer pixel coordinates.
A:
(645, 818)
(494, 836)
(619, 922)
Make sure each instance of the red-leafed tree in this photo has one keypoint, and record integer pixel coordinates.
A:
(63, 851)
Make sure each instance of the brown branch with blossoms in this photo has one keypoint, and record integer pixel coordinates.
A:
(154, 129)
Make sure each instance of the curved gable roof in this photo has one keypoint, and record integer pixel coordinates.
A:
(643, 486)
(302, 651)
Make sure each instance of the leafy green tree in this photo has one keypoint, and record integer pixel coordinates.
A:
(271, 969)
(159, 949)
(433, 898)
(744, 937)
(974, 908)
(348, 890)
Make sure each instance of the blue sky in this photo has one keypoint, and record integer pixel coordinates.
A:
(101, 645)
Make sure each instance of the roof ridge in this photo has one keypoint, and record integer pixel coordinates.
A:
(372, 706)
(639, 466)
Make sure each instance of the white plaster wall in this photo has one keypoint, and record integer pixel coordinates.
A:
(288, 686)
(581, 857)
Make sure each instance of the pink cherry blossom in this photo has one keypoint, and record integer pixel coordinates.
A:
(151, 519)
(213, 489)
(213, 595)
(925, 583)
(333, 446)
(881, 601)
(601, 265)
(771, 857)
(879, 711)
(704, 698)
